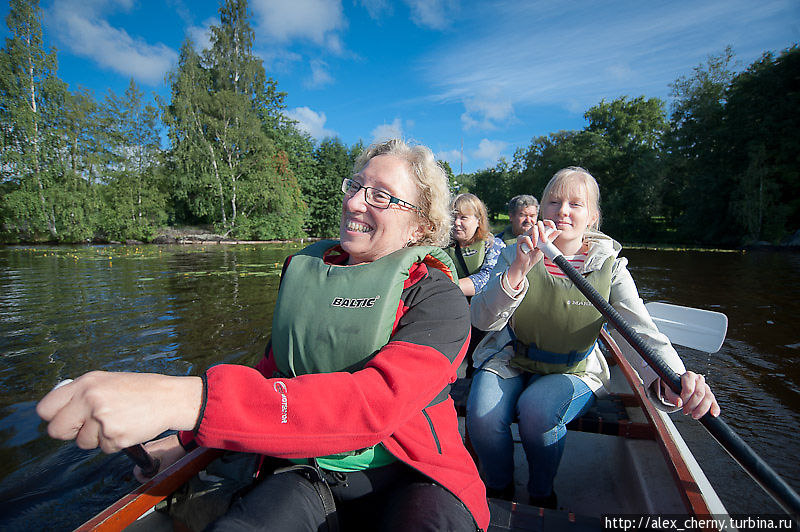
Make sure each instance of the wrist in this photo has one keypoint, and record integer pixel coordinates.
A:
(185, 401)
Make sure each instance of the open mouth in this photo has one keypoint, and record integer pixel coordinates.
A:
(358, 227)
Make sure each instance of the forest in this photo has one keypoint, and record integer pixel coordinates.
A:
(718, 165)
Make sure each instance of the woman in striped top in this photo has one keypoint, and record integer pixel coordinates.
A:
(541, 362)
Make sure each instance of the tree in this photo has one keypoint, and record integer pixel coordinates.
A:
(762, 134)
(31, 97)
(699, 189)
(492, 186)
(228, 171)
(332, 163)
(133, 190)
(631, 172)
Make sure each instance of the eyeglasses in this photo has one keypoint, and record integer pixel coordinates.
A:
(377, 198)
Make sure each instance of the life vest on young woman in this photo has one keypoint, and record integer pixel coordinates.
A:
(468, 260)
(555, 326)
(335, 318)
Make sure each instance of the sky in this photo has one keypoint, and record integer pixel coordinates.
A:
(472, 80)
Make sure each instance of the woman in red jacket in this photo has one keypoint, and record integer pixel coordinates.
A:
(353, 392)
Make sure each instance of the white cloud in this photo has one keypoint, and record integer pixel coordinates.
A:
(311, 122)
(489, 150)
(318, 21)
(388, 131)
(486, 110)
(376, 8)
(319, 75)
(563, 53)
(453, 157)
(434, 14)
(201, 35)
(81, 28)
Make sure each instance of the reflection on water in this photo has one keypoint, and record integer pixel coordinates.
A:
(65, 311)
(755, 375)
(179, 310)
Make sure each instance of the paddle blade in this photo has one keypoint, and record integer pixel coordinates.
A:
(699, 329)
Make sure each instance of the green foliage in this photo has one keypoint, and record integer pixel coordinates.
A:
(493, 187)
(226, 170)
(332, 163)
(762, 135)
(133, 192)
(30, 97)
(722, 171)
(699, 187)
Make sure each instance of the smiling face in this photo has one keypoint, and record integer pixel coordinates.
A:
(464, 227)
(368, 233)
(523, 219)
(572, 210)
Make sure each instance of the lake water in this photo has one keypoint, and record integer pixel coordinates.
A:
(178, 310)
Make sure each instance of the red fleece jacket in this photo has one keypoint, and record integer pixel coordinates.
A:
(399, 399)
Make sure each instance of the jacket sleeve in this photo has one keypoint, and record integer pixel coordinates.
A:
(481, 277)
(625, 299)
(321, 414)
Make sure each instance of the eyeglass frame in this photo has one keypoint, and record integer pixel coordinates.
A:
(393, 200)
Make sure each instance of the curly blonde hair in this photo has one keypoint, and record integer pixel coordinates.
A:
(432, 184)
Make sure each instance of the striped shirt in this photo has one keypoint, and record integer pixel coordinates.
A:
(576, 260)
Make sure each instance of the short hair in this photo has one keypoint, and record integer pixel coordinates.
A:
(571, 175)
(522, 201)
(431, 181)
(471, 204)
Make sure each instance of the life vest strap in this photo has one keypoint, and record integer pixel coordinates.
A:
(534, 353)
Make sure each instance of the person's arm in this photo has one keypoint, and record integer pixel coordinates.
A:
(481, 277)
(467, 286)
(696, 397)
(320, 414)
(116, 410)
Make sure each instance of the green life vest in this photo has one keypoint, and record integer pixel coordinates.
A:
(471, 256)
(555, 324)
(335, 318)
(507, 235)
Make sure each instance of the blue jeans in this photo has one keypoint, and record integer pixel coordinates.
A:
(544, 405)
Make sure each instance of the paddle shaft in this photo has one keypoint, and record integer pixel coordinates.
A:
(757, 468)
(143, 459)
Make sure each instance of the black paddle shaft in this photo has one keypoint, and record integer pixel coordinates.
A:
(143, 459)
(757, 468)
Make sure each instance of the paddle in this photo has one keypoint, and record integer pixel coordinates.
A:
(758, 469)
(699, 329)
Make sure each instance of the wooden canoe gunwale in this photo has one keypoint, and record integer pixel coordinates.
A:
(133, 505)
(687, 486)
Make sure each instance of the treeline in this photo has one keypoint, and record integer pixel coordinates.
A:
(721, 168)
(75, 169)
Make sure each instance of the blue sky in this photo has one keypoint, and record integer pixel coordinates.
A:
(489, 74)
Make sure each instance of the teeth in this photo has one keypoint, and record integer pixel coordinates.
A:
(358, 227)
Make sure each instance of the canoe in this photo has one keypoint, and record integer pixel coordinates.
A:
(622, 458)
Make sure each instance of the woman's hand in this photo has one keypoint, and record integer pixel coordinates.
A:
(168, 450)
(116, 410)
(527, 252)
(696, 398)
